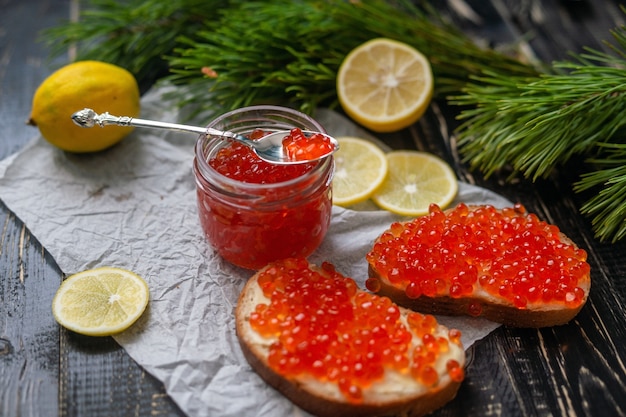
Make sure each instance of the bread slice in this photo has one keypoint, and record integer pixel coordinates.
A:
(292, 292)
(504, 265)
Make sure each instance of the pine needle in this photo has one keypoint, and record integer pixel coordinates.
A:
(537, 124)
(608, 207)
(134, 34)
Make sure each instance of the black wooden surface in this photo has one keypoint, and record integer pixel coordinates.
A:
(574, 370)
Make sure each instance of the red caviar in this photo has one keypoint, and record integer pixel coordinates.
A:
(325, 328)
(455, 370)
(254, 212)
(520, 258)
(239, 162)
(298, 147)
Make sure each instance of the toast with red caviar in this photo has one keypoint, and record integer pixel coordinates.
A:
(502, 264)
(336, 350)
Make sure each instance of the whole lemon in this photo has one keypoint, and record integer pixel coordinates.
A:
(96, 85)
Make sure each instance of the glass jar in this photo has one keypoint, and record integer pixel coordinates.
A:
(251, 224)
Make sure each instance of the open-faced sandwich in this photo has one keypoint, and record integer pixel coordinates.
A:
(503, 264)
(336, 350)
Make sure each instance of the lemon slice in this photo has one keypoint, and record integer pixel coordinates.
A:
(385, 85)
(101, 301)
(415, 180)
(361, 167)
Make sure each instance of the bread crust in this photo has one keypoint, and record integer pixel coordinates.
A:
(490, 307)
(320, 402)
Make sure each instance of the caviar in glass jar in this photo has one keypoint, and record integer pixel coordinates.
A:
(253, 212)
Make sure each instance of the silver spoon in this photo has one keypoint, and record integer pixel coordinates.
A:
(268, 148)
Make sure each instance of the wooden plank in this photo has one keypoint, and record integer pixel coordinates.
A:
(576, 369)
(29, 349)
(102, 380)
(45, 371)
(558, 28)
(29, 369)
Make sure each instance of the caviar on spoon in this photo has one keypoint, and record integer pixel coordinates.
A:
(280, 147)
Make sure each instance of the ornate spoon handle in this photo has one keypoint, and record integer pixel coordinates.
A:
(89, 118)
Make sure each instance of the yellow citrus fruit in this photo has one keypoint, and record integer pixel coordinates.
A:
(385, 85)
(101, 301)
(360, 168)
(415, 180)
(96, 85)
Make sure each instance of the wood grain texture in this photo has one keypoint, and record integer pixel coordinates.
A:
(46, 371)
(578, 369)
(29, 366)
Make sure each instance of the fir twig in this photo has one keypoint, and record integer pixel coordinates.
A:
(534, 124)
(608, 207)
(134, 34)
(291, 50)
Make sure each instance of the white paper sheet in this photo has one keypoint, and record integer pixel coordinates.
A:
(134, 206)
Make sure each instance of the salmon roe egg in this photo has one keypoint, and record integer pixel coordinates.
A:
(324, 327)
(508, 253)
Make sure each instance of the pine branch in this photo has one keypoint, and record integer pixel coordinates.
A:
(134, 34)
(535, 124)
(307, 41)
(608, 207)
(260, 51)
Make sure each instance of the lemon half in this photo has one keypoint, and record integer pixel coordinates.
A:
(385, 85)
(101, 301)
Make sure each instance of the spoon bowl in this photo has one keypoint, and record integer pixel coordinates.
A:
(270, 147)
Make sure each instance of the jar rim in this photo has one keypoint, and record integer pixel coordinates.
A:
(268, 107)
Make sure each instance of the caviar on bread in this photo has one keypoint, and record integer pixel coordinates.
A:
(336, 350)
(502, 264)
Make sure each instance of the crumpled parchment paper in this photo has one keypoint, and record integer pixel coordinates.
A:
(134, 206)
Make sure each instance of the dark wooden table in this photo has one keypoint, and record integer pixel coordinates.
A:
(576, 369)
